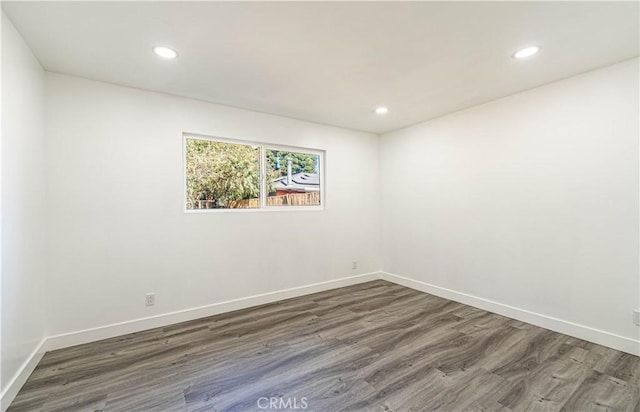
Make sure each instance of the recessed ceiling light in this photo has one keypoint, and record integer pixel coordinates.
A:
(382, 110)
(526, 52)
(165, 52)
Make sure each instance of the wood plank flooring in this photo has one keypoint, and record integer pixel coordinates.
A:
(375, 346)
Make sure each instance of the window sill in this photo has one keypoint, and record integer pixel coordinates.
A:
(266, 209)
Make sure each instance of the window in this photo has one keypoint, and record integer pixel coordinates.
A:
(222, 175)
(231, 174)
(293, 178)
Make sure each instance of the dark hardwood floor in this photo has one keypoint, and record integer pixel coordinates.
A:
(370, 347)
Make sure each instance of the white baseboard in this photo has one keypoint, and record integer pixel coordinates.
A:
(14, 385)
(138, 325)
(587, 333)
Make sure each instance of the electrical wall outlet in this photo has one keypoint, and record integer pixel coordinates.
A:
(636, 317)
(150, 299)
(354, 264)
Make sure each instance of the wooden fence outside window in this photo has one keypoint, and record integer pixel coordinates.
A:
(291, 199)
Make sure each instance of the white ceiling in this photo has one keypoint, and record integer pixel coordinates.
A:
(330, 62)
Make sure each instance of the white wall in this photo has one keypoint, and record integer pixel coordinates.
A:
(115, 208)
(529, 201)
(23, 191)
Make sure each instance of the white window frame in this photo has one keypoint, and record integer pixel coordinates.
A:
(263, 147)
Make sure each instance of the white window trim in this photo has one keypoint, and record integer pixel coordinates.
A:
(263, 175)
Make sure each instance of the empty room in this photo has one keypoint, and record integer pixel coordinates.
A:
(320, 206)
